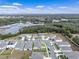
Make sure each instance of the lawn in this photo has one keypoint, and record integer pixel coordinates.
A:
(38, 38)
(26, 55)
(43, 45)
(7, 52)
(56, 46)
(39, 50)
(62, 57)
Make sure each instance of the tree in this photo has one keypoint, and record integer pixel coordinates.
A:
(76, 39)
(32, 46)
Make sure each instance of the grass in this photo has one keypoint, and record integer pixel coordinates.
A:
(43, 50)
(21, 54)
(38, 38)
(16, 54)
(0, 50)
(56, 46)
(6, 52)
(42, 45)
(40, 50)
(62, 57)
(26, 55)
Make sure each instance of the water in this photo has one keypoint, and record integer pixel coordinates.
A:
(14, 28)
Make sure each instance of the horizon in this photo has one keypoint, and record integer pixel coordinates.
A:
(39, 7)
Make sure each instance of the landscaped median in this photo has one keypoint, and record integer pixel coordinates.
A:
(38, 38)
(46, 49)
(62, 57)
(56, 46)
(39, 50)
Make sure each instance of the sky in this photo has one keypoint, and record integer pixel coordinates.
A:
(39, 6)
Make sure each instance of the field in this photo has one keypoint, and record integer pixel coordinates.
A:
(15, 55)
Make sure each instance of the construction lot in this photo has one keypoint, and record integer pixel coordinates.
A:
(34, 46)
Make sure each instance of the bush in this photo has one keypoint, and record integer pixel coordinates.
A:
(76, 39)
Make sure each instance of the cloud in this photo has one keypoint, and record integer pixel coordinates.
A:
(63, 7)
(40, 6)
(15, 9)
(8, 6)
(17, 4)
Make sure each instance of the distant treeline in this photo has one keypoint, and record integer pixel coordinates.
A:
(64, 27)
(40, 29)
(47, 29)
(37, 18)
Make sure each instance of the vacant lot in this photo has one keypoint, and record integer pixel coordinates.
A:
(15, 55)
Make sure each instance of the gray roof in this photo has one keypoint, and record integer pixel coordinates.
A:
(20, 45)
(66, 48)
(72, 55)
(3, 43)
(63, 43)
(37, 55)
(47, 43)
(37, 43)
(57, 38)
(28, 45)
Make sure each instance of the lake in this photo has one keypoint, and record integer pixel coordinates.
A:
(14, 28)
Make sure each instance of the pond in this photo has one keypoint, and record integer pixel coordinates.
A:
(14, 28)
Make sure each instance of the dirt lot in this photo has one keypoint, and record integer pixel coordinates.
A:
(15, 55)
